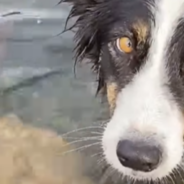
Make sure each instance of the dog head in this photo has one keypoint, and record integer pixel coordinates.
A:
(137, 48)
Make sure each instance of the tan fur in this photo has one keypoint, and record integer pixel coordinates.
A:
(141, 29)
(112, 92)
(35, 156)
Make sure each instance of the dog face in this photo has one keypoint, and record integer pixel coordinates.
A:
(137, 48)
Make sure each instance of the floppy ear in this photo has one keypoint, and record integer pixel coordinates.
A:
(87, 36)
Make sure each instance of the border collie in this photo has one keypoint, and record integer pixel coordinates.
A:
(137, 49)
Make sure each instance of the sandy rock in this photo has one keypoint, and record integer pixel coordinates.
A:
(30, 155)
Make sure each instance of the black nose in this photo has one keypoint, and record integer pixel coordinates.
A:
(138, 156)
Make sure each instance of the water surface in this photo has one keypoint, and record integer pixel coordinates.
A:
(60, 101)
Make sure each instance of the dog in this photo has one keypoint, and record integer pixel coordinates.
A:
(137, 50)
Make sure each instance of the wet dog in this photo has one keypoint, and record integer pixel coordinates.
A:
(137, 49)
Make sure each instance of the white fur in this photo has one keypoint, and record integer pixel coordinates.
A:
(146, 106)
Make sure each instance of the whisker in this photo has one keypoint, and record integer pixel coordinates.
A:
(123, 177)
(107, 174)
(96, 154)
(104, 122)
(179, 172)
(163, 181)
(175, 175)
(79, 140)
(167, 180)
(80, 129)
(81, 148)
(100, 160)
(171, 179)
(134, 181)
(116, 176)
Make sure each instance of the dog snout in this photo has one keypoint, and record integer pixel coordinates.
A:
(139, 156)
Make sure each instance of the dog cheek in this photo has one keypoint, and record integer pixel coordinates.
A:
(112, 92)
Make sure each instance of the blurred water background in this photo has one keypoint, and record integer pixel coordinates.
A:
(37, 81)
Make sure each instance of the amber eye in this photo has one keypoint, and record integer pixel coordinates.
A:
(124, 44)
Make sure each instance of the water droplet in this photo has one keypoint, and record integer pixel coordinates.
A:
(39, 21)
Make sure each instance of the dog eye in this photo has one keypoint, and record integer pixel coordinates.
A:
(124, 44)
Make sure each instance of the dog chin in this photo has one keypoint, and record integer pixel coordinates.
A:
(142, 176)
(153, 176)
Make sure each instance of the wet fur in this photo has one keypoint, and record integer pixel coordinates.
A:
(91, 27)
(87, 37)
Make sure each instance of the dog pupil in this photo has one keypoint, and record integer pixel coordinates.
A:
(128, 43)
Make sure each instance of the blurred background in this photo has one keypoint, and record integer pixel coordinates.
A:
(37, 81)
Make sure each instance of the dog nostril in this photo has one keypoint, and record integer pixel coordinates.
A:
(138, 155)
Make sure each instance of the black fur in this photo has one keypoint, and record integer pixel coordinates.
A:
(87, 36)
(100, 22)
(95, 20)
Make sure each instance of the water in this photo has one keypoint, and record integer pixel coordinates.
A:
(31, 48)
(29, 52)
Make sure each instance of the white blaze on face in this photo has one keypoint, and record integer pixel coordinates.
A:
(145, 105)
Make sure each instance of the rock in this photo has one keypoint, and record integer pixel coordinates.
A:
(30, 155)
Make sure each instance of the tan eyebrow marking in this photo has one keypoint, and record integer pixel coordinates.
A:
(112, 92)
(141, 28)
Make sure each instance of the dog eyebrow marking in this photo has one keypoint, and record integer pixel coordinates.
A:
(141, 29)
(112, 92)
